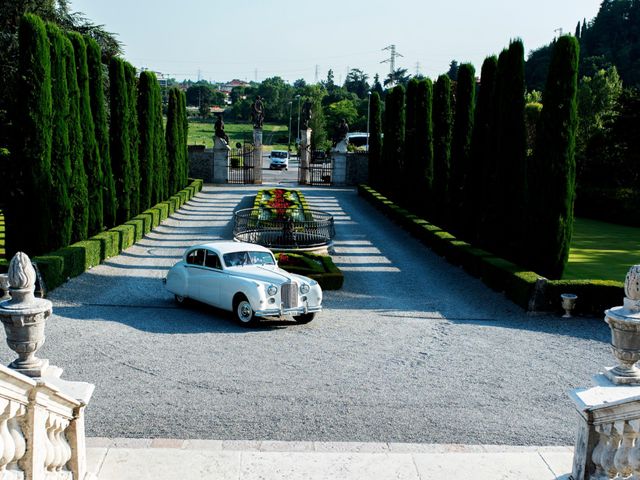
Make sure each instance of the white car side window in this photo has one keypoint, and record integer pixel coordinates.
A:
(212, 261)
(196, 257)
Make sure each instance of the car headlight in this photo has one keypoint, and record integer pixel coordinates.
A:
(304, 288)
(272, 290)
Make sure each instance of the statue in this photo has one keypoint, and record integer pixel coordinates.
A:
(219, 129)
(342, 132)
(306, 115)
(257, 112)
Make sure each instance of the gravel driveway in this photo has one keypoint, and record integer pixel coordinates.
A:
(410, 350)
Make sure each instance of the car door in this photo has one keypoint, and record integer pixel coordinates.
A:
(195, 272)
(209, 283)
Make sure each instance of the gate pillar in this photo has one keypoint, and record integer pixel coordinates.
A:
(220, 160)
(257, 156)
(305, 157)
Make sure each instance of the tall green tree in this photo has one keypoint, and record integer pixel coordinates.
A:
(61, 205)
(375, 141)
(410, 172)
(552, 175)
(99, 114)
(460, 178)
(424, 143)
(161, 185)
(119, 141)
(184, 135)
(394, 140)
(442, 120)
(92, 163)
(146, 131)
(512, 155)
(78, 192)
(483, 161)
(173, 141)
(132, 126)
(33, 146)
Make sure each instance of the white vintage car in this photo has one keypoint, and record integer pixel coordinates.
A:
(243, 278)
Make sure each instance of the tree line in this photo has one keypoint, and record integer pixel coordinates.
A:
(81, 161)
(458, 154)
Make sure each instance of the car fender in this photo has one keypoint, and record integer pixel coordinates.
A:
(178, 280)
(253, 290)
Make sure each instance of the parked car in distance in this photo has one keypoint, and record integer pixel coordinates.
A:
(279, 159)
(245, 279)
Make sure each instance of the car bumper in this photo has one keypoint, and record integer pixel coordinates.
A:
(275, 312)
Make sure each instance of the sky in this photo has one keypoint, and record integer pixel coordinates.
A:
(257, 39)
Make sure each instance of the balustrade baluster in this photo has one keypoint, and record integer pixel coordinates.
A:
(7, 448)
(49, 446)
(610, 449)
(621, 459)
(16, 431)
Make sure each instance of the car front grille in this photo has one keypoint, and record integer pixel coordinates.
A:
(290, 295)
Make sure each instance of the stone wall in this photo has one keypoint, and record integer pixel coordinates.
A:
(201, 164)
(357, 168)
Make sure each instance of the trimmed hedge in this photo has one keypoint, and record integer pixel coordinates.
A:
(525, 288)
(67, 262)
(317, 267)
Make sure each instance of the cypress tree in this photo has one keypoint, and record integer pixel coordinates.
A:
(461, 147)
(132, 126)
(492, 228)
(146, 128)
(482, 155)
(161, 189)
(514, 156)
(184, 138)
(552, 177)
(92, 163)
(61, 205)
(173, 139)
(78, 182)
(33, 144)
(119, 141)
(441, 147)
(424, 145)
(410, 170)
(394, 139)
(98, 112)
(375, 141)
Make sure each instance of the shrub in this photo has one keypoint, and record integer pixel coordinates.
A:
(146, 132)
(131, 119)
(441, 147)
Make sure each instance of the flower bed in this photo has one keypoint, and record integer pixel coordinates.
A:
(280, 204)
(318, 267)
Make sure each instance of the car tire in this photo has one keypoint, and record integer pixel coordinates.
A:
(304, 318)
(243, 312)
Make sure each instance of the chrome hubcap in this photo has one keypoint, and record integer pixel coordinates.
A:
(244, 311)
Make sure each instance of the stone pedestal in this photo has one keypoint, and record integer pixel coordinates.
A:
(220, 160)
(257, 156)
(305, 156)
(339, 163)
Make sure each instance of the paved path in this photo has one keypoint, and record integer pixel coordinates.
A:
(410, 350)
(167, 459)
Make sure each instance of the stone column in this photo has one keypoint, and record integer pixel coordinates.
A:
(257, 156)
(305, 157)
(339, 163)
(220, 160)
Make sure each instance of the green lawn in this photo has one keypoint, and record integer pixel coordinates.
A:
(601, 250)
(202, 133)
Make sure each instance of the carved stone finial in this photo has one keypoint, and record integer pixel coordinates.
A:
(22, 275)
(632, 283)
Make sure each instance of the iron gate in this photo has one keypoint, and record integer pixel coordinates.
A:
(318, 173)
(241, 168)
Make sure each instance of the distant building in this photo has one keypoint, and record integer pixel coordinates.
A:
(227, 87)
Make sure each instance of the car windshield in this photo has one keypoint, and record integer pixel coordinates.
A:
(237, 259)
(279, 154)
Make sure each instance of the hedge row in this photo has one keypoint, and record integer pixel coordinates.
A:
(525, 288)
(317, 267)
(59, 266)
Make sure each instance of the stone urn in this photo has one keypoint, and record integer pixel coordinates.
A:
(24, 317)
(624, 322)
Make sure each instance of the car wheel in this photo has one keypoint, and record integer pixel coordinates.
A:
(244, 312)
(304, 318)
(180, 300)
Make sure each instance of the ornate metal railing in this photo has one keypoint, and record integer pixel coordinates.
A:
(241, 165)
(313, 228)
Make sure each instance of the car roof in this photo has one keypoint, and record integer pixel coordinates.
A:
(279, 151)
(228, 246)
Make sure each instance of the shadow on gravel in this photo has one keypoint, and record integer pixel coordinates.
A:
(168, 318)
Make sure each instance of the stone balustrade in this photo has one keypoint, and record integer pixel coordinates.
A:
(41, 429)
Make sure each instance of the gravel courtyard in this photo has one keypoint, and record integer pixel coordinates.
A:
(411, 349)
